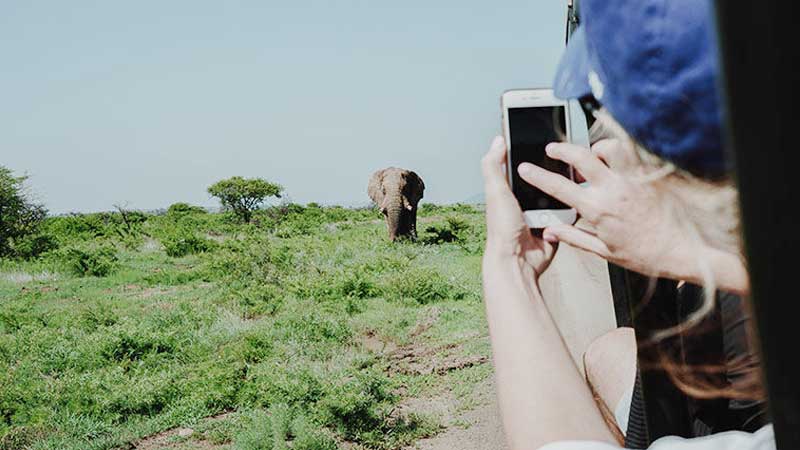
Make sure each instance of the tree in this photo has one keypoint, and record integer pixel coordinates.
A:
(20, 217)
(244, 195)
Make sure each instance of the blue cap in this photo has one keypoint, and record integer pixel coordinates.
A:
(653, 64)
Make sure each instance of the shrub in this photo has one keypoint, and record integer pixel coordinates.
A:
(181, 208)
(33, 245)
(253, 259)
(355, 285)
(130, 342)
(19, 215)
(101, 315)
(97, 262)
(75, 226)
(430, 209)
(294, 228)
(272, 382)
(309, 436)
(310, 326)
(124, 225)
(184, 242)
(358, 406)
(281, 429)
(423, 286)
(453, 230)
(427, 209)
(244, 195)
(259, 299)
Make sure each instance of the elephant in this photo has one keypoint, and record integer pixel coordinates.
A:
(397, 192)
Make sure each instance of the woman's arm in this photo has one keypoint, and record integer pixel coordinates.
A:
(542, 396)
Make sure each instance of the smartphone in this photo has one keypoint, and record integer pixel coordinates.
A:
(533, 118)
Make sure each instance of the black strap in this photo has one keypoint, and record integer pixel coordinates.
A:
(637, 435)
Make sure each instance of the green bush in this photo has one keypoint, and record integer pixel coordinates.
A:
(20, 216)
(272, 382)
(427, 209)
(361, 408)
(312, 325)
(184, 242)
(309, 436)
(293, 228)
(127, 342)
(33, 245)
(430, 209)
(352, 283)
(422, 285)
(97, 262)
(358, 405)
(254, 259)
(259, 299)
(453, 230)
(78, 226)
(356, 285)
(124, 225)
(282, 428)
(181, 208)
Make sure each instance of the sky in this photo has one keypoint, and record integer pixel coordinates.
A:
(147, 103)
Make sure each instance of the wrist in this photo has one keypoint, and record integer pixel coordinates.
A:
(727, 271)
(509, 274)
(703, 265)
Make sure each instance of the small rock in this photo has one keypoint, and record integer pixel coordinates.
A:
(185, 432)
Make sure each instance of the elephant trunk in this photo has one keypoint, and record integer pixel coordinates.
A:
(394, 216)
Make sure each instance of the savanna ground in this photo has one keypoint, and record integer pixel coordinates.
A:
(305, 329)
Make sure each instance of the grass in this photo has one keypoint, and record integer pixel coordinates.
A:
(258, 336)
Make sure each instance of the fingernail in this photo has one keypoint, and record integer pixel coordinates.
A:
(550, 147)
(549, 237)
(525, 169)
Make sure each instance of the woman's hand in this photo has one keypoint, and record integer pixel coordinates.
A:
(542, 397)
(508, 237)
(623, 220)
(626, 220)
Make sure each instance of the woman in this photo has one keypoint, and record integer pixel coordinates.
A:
(670, 213)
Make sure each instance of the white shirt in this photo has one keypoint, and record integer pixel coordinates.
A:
(763, 439)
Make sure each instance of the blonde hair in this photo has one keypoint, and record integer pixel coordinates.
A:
(707, 212)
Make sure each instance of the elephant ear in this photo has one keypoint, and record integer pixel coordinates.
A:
(375, 187)
(419, 186)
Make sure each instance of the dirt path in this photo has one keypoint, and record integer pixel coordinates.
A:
(478, 428)
(475, 429)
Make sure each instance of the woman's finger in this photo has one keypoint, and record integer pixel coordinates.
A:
(493, 165)
(553, 184)
(576, 238)
(592, 169)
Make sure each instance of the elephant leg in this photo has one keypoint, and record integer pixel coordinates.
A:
(414, 223)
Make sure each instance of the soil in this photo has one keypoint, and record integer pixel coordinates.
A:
(475, 429)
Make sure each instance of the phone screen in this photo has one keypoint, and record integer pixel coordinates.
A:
(530, 130)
